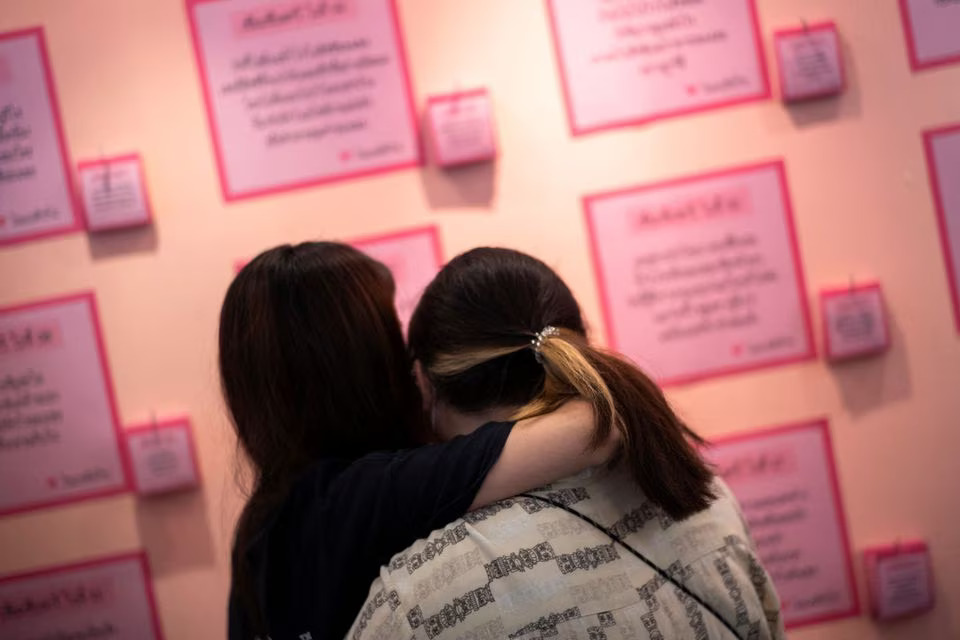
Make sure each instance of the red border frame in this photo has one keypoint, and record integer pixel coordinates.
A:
(105, 162)
(576, 130)
(826, 294)
(176, 423)
(125, 485)
(600, 275)
(941, 209)
(77, 224)
(140, 556)
(453, 97)
(417, 161)
(872, 556)
(823, 426)
(793, 31)
(431, 229)
(915, 63)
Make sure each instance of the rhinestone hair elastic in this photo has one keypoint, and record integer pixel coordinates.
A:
(537, 342)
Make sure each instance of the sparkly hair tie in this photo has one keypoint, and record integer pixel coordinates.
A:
(538, 340)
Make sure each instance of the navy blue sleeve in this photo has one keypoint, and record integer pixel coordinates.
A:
(389, 500)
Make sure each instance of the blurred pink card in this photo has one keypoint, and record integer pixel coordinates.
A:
(931, 28)
(810, 62)
(36, 196)
(102, 598)
(628, 63)
(461, 128)
(854, 322)
(59, 433)
(701, 276)
(162, 456)
(114, 193)
(786, 483)
(300, 94)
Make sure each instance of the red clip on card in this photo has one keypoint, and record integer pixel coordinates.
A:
(900, 579)
(854, 322)
(810, 62)
(461, 128)
(162, 457)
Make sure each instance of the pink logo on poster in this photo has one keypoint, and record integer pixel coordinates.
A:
(712, 204)
(68, 597)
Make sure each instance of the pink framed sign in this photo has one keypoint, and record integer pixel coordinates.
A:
(810, 60)
(701, 276)
(59, 432)
(36, 197)
(413, 256)
(900, 579)
(108, 597)
(854, 321)
(114, 193)
(162, 457)
(461, 128)
(942, 148)
(786, 482)
(931, 28)
(623, 64)
(301, 94)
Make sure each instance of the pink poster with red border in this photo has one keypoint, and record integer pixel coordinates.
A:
(59, 432)
(931, 28)
(109, 597)
(942, 147)
(303, 93)
(413, 256)
(36, 198)
(785, 479)
(701, 276)
(625, 63)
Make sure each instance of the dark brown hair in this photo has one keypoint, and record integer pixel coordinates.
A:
(312, 365)
(472, 333)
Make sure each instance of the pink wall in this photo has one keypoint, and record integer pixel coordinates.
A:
(127, 81)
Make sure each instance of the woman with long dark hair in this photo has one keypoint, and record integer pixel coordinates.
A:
(318, 384)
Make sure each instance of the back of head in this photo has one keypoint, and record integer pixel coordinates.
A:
(478, 332)
(312, 359)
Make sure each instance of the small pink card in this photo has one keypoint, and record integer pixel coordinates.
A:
(854, 322)
(103, 598)
(114, 193)
(810, 62)
(931, 28)
(785, 479)
(461, 128)
(162, 457)
(900, 579)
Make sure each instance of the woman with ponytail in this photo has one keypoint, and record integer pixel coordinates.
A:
(319, 388)
(651, 540)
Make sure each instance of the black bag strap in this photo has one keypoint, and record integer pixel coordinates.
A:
(610, 534)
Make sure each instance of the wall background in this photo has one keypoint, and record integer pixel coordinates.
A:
(127, 81)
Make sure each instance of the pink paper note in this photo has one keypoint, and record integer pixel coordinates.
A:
(810, 62)
(899, 579)
(114, 193)
(854, 322)
(36, 199)
(627, 63)
(461, 128)
(943, 163)
(162, 457)
(786, 483)
(104, 598)
(413, 256)
(931, 28)
(303, 93)
(59, 433)
(701, 276)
